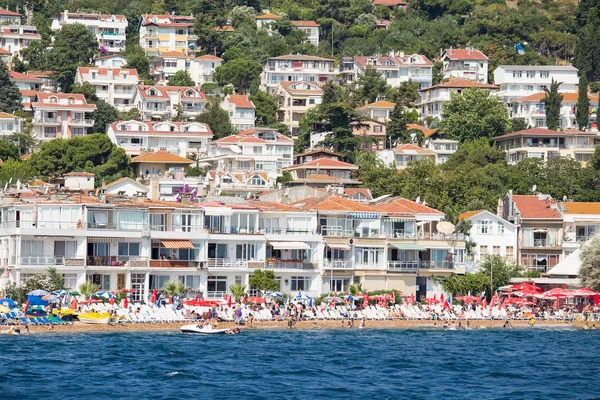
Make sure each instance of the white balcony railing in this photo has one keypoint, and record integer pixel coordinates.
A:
(227, 263)
(338, 264)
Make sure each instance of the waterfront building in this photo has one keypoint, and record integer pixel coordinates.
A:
(581, 220)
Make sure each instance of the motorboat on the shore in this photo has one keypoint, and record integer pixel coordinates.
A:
(94, 318)
(205, 330)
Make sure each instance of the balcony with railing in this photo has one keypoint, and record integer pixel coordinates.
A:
(404, 266)
(44, 120)
(174, 264)
(436, 265)
(287, 264)
(233, 230)
(117, 261)
(227, 263)
(376, 267)
(59, 225)
(46, 261)
(337, 264)
(82, 121)
(117, 220)
(176, 228)
(287, 231)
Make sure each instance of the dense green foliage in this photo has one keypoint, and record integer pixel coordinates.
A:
(590, 264)
(181, 78)
(10, 97)
(552, 102)
(583, 104)
(264, 280)
(217, 119)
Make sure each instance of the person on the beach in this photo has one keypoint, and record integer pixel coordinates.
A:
(251, 320)
(363, 323)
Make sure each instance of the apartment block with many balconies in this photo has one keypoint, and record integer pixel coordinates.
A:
(14, 36)
(294, 68)
(294, 99)
(181, 138)
(466, 63)
(109, 29)
(116, 86)
(166, 33)
(166, 102)
(61, 115)
(581, 221)
(201, 69)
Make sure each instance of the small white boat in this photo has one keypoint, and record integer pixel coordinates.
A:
(207, 330)
(9, 332)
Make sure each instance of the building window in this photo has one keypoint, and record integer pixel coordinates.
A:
(531, 74)
(496, 250)
(483, 251)
(500, 228)
(129, 249)
(544, 74)
(517, 74)
(216, 285)
(301, 283)
(510, 253)
(484, 227)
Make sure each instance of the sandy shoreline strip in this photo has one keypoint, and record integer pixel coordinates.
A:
(318, 324)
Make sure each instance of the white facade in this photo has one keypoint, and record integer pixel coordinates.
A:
(114, 85)
(112, 61)
(310, 28)
(294, 99)
(395, 68)
(179, 138)
(79, 181)
(294, 68)
(14, 38)
(10, 124)
(109, 29)
(518, 81)
(466, 63)
(242, 112)
(164, 102)
(581, 221)
(201, 69)
(492, 236)
(165, 33)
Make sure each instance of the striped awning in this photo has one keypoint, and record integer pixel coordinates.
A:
(289, 245)
(177, 244)
(104, 239)
(408, 246)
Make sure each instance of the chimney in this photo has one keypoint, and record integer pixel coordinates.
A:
(500, 207)
(102, 198)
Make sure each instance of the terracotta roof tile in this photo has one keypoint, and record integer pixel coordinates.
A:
(408, 148)
(305, 23)
(465, 54)
(402, 205)
(350, 192)
(248, 136)
(570, 97)
(161, 157)
(469, 214)
(582, 207)
(389, 3)
(209, 57)
(240, 100)
(532, 207)
(17, 76)
(79, 173)
(268, 16)
(6, 115)
(378, 104)
(532, 132)
(328, 163)
(334, 203)
(460, 83)
(9, 13)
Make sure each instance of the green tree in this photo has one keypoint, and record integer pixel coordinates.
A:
(265, 108)
(583, 104)
(463, 284)
(552, 101)
(138, 60)
(238, 291)
(595, 159)
(406, 94)
(14, 169)
(36, 55)
(181, 78)
(518, 124)
(217, 119)
(74, 46)
(88, 289)
(104, 115)
(590, 264)
(87, 90)
(498, 271)
(370, 85)
(586, 58)
(10, 97)
(8, 150)
(473, 114)
(396, 128)
(174, 288)
(264, 280)
(240, 73)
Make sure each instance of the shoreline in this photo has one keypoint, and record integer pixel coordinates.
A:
(302, 325)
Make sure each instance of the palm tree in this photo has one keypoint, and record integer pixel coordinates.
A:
(174, 288)
(368, 160)
(88, 289)
(355, 289)
(237, 291)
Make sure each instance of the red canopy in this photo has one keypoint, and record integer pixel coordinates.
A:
(467, 298)
(557, 293)
(90, 301)
(201, 303)
(525, 287)
(584, 292)
(255, 299)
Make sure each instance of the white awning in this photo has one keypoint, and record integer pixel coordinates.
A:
(339, 246)
(569, 266)
(218, 211)
(103, 239)
(289, 245)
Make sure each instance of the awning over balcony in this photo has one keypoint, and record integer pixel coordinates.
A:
(177, 244)
(408, 246)
(289, 245)
(338, 246)
(102, 239)
(218, 211)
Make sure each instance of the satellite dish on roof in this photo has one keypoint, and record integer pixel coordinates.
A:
(534, 188)
(236, 149)
(565, 198)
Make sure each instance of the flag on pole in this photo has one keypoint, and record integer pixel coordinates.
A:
(26, 307)
(229, 301)
(333, 299)
(366, 301)
(393, 297)
(405, 301)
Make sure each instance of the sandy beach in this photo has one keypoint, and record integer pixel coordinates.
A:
(319, 324)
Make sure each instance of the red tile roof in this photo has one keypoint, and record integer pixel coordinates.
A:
(161, 157)
(5, 115)
(532, 207)
(334, 203)
(469, 214)
(17, 76)
(249, 136)
(532, 132)
(408, 148)
(353, 191)
(79, 173)
(305, 23)
(465, 54)
(268, 16)
(417, 127)
(460, 83)
(209, 57)
(104, 71)
(163, 91)
(326, 163)
(5, 52)
(240, 100)
(317, 151)
(378, 104)
(402, 205)
(389, 3)
(572, 207)
(9, 13)
(570, 97)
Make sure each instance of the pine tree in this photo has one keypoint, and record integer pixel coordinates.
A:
(552, 102)
(587, 58)
(583, 104)
(396, 127)
(10, 97)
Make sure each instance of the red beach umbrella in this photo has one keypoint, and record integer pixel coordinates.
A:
(412, 298)
(196, 298)
(435, 298)
(584, 292)
(111, 301)
(442, 298)
(366, 301)
(229, 301)
(256, 299)
(596, 299)
(26, 307)
(154, 296)
(126, 303)
(526, 287)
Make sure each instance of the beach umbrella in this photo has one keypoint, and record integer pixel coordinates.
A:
(51, 298)
(366, 301)
(197, 299)
(596, 299)
(60, 293)
(434, 298)
(10, 303)
(126, 302)
(111, 301)
(91, 301)
(583, 292)
(105, 295)
(255, 299)
(229, 301)
(310, 302)
(412, 298)
(74, 304)
(525, 287)
(154, 296)
(26, 307)
(442, 298)
(274, 294)
(557, 293)
(331, 299)
(4, 309)
(38, 292)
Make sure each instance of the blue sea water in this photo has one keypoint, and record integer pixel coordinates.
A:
(295, 364)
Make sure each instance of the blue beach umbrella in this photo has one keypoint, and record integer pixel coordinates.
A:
(38, 292)
(10, 303)
(274, 294)
(105, 295)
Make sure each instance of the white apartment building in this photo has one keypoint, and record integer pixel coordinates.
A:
(311, 28)
(442, 147)
(293, 68)
(581, 221)
(466, 63)
(547, 144)
(379, 111)
(10, 124)
(492, 235)
(267, 21)
(181, 138)
(531, 109)
(294, 99)
(109, 29)
(165, 33)
(405, 153)
(201, 69)
(258, 149)
(164, 102)
(242, 112)
(116, 86)
(433, 97)
(14, 38)
(518, 81)
(111, 61)
(395, 68)
(61, 115)
(25, 81)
